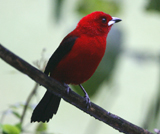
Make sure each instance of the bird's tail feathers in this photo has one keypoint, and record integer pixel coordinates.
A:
(46, 108)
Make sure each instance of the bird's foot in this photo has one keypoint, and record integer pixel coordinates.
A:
(87, 101)
(86, 97)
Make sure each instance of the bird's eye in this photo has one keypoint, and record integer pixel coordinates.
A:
(104, 20)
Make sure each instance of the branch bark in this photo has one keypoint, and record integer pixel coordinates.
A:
(73, 98)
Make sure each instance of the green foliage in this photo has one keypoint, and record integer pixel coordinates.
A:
(153, 5)
(15, 113)
(41, 127)
(18, 127)
(88, 6)
(85, 7)
(10, 129)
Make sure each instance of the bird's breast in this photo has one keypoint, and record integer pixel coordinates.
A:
(81, 62)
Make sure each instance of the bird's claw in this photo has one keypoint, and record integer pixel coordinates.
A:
(87, 101)
(67, 88)
(86, 97)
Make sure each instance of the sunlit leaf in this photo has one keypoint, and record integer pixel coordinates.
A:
(18, 125)
(10, 129)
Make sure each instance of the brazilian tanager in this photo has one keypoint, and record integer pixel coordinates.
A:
(76, 59)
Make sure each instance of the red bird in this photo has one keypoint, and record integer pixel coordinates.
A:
(76, 59)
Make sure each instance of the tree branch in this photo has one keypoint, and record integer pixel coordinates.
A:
(73, 98)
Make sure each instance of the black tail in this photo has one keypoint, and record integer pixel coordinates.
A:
(46, 108)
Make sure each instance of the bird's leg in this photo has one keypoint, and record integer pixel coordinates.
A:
(86, 97)
(67, 88)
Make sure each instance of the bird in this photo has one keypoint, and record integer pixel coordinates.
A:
(75, 60)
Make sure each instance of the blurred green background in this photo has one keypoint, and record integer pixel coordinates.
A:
(127, 82)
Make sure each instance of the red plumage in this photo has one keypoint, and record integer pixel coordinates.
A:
(76, 59)
(81, 62)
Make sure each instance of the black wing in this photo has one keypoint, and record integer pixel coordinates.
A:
(49, 103)
(63, 49)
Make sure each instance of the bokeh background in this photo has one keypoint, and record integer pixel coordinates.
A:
(127, 82)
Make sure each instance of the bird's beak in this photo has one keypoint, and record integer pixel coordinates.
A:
(114, 20)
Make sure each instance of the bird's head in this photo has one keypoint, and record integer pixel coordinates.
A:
(96, 23)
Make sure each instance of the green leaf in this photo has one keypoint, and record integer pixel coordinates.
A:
(87, 6)
(10, 129)
(16, 114)
(41, 127)
(18, 125)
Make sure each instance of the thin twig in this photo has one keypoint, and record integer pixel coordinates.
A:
(27, 102)
(73, 98)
